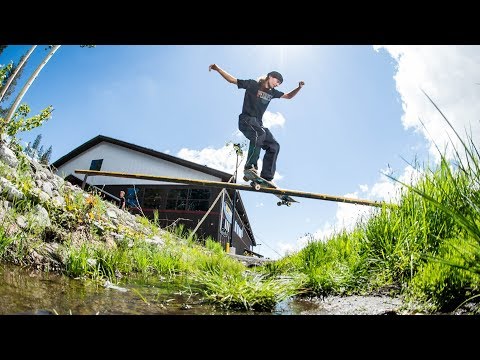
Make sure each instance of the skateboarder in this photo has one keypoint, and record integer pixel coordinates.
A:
(255, 102)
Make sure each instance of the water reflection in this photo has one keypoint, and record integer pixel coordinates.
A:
(26, 291)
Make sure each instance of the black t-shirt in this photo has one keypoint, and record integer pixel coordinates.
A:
(256, 101)
(122, 202)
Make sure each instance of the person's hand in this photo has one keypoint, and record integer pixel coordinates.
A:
(213, 67)
(301, 83)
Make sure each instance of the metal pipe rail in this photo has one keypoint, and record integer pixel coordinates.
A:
(226, 185)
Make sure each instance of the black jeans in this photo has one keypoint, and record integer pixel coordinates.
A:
(260, 138)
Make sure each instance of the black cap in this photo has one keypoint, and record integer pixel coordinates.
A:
(276, 75)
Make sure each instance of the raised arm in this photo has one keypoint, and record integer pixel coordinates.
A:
(294, 92)
(224, 74)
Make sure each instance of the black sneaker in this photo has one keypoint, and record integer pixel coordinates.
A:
(249, 169)
(272, 183)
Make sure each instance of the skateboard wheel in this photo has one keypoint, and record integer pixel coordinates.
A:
(289, 203)
(279, 203)
(256, 186)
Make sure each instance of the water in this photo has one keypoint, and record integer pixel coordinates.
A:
(26, 291)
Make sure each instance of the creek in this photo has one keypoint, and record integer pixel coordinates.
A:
(31, 292)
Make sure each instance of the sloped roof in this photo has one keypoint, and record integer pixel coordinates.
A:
(101, 138)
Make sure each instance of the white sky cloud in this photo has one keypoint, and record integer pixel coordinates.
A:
(450, 76)
(223, 159)
(271, 120)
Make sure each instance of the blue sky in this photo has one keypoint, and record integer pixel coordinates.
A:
(357, 116)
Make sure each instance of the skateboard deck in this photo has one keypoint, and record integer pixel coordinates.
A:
(257, 182)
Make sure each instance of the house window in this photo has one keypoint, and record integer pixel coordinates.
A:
(152, 198)
(177, 199)
(96, 164)
(198, 199)
(238, 229)
(188, 199)
(132, 198)
(228, 212)
(227, 221)
(225, 229)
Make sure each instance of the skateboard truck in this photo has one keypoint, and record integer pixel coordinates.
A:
(256, 182)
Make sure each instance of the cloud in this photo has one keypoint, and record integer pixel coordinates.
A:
(285, 248)
(271, 120)
(322, 234)
(223, 159)
(450, 76)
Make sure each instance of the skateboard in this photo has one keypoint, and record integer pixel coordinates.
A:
(257, 182)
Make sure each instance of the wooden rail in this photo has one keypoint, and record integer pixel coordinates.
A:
(219, 184)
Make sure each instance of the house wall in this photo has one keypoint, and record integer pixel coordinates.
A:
(119, 159)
